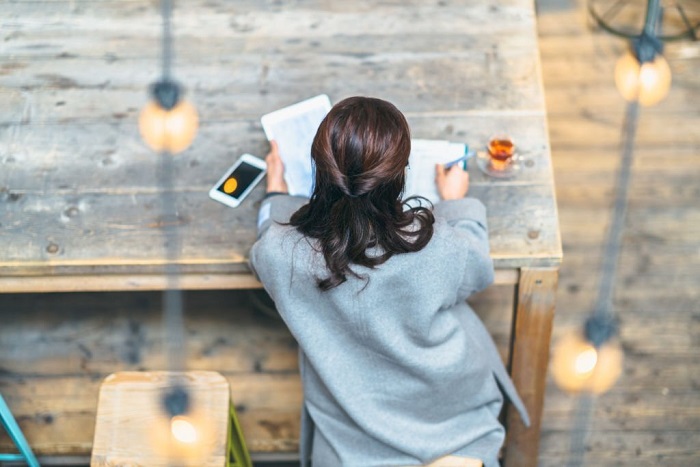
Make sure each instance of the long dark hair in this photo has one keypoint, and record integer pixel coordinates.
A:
(361, 152)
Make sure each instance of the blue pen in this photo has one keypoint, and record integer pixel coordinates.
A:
(462, 160)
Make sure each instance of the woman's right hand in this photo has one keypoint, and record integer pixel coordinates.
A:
(452, 183)
(275, 170)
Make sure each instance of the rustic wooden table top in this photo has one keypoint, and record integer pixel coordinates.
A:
(79, 192)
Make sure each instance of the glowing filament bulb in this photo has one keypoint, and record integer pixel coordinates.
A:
(578, 366)
(168, 130)
(183, 430)
(586, 361)
(648, 82)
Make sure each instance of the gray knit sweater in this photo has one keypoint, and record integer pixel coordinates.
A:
(399, 370)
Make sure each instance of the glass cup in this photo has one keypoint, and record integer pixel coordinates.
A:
(501, 150)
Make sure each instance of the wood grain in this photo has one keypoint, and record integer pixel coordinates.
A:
(69, 107)
(649, 417)
(130, 418)
(529, 356)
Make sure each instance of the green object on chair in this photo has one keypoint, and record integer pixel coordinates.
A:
(8, 421)
(238, 455)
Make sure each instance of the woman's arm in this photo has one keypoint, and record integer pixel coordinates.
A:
(468, 217)
(277, 206)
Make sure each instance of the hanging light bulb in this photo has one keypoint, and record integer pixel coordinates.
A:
(649, 82)
(184, 435)
(184, 439)
(589, 360)
(643, 74)
(168, 123)
(184, 430)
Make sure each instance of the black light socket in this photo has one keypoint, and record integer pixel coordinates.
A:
(166, 93)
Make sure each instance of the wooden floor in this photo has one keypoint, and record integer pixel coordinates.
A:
(652, 416)
(56, 348)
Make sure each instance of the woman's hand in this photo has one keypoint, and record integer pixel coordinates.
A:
(452, 183)
(275, 170)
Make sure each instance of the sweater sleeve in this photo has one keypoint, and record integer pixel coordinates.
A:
(468, 217)
(278, 208)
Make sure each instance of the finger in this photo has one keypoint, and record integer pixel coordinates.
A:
(274, 149)
(455, 168)
(439, 172)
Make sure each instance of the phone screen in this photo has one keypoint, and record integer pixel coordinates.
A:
(239, 180)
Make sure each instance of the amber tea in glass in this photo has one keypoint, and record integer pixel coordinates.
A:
(501, 150)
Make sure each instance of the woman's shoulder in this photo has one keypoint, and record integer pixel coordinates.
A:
(279, 237)
(446, 234)
(281, 244)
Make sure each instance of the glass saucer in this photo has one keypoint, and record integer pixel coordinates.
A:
(484, 164)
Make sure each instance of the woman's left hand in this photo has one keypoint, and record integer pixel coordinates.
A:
(452, 183)
(275, 170)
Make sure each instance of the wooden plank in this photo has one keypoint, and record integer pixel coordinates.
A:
(648, 261)
(132, 428)
(681, 159)
(121, 234)
(268, 18)
(677, 410)
(110, 46)
(215, 239)
(51, 158)
(528, 361)
(614, 448)
(671, 339)
(146, 282)
(594, 132)
(436, 83)
(580, 298)
(659, 223)
(565, 98)
(142, 282)
(87, 336)
(678, 191)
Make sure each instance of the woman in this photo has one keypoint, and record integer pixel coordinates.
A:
(397, 369)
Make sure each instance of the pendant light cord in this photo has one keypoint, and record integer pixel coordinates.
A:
(166, 11)
(603, 305)
(172, 296)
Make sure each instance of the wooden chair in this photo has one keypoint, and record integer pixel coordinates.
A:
(133, 429)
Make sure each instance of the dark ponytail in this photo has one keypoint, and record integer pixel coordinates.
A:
(361, 151)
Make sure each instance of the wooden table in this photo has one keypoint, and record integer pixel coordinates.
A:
(80, 205)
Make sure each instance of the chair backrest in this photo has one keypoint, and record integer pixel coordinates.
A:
(132, 428)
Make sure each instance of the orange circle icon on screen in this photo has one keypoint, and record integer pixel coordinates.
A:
(230, 185)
